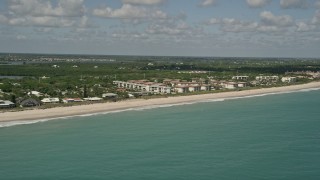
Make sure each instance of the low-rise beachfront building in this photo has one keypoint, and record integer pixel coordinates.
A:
(30, 102)
(144, 86)
(71, 100)
(160, 88)
(35, 93)
(7, 104)
(242, 84)
(230, 85)
(109, 95)
(267, 78)
(288, 79)
(92, 99)
(50, 100)
(242, 78)
(205, 87)
(185, 83)
(181, 89)
(194, 88)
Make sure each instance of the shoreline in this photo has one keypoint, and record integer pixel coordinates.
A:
(64, 112)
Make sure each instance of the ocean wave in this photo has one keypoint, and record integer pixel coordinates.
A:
(143, 108)
(14, 123)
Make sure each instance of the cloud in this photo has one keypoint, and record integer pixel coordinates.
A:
(304, 27)
(213, 21)
(258, 3)
(234, 25)
(125, 36)
(128, 11)
(45, 8)
(316, 18)
(44, 13)
(21, 37)
(268, 29)
(169, 29)
(294, 4)
(268, 23)
(269, 19)
(45, 21)
(143, 2)
(207, 3)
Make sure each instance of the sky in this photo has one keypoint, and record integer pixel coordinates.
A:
(218, 28)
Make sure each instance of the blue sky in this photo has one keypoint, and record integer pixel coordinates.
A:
(229, 28)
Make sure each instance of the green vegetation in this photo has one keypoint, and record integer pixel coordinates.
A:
(89, 76)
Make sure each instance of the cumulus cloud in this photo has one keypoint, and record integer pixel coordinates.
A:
(269, 19)
(143, 2)
(234, 25)
(293, 4)
(207, 3)
(128, 11)
(304, 27)
(45, 21)
(268, 23)
(213, 21)
(45, 8)
(176, 29)
(124, 35)
(258, 3)
(44, 13)
(268, 29)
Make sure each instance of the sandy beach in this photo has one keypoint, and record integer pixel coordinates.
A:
(57, 112)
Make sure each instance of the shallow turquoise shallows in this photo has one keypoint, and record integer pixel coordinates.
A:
(268, 137)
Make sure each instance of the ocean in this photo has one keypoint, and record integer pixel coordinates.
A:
(261, 137)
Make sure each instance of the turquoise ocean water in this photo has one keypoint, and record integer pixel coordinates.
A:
(265, 137)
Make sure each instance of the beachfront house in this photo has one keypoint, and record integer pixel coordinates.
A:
(30, 102)
(92, 99)
(109, 95)
(35, 93)
(7, 104)
(230, 85)
(71, 100)
(288, 79)
(50, 100)
(242, 84)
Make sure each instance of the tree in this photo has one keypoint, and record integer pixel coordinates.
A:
(13, 98)
(85, 93)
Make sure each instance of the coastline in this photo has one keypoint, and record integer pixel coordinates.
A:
(61, 112)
